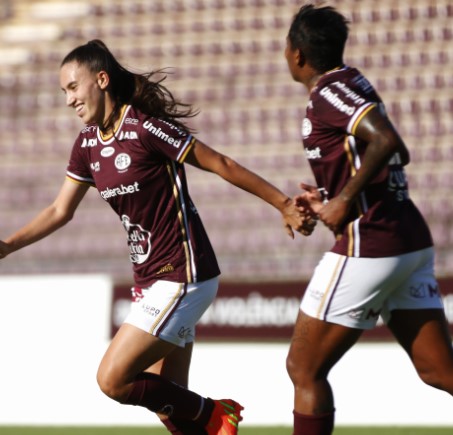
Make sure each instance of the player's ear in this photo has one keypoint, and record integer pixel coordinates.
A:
(103, 79)
(300, 58)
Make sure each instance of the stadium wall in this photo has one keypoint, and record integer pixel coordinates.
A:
(55, 328)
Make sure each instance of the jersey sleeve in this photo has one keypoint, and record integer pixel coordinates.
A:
(78, 169)
(164, 138)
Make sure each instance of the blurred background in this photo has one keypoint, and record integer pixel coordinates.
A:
(226, 58)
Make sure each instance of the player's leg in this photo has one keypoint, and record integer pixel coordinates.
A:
(141, 364)
(316, 346)
(344, 297)
(425, 336)
(415, 315)
(175, 367)
(122, 376)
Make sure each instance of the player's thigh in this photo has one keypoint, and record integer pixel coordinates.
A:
(316, 346)
(175, 366)
(425, 336)
(131, 352)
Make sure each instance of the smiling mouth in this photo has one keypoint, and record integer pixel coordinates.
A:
(79, 109)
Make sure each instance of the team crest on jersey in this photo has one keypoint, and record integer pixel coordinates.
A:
(95, 166)
(306, 128)
(122, 162)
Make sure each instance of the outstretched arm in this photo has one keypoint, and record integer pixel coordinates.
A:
(48, 220)
(204, 157)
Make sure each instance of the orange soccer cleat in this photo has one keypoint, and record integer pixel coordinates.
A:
(225, 418)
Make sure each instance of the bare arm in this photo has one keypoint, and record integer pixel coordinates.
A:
(48, 220)
(383, 141)
(204, 157)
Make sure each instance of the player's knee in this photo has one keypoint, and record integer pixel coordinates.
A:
(110, 386)
(437, 378)
(295, 371)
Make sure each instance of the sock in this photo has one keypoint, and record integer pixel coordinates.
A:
(183, 427)
(165, 397)
(313, 424)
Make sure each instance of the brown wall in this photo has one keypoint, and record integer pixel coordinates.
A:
(258, 311)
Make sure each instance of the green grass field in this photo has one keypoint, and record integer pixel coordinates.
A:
(246, 430)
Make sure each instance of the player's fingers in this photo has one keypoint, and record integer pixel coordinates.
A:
(289, 230)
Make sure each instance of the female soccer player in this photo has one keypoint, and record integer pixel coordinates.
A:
(132, 150)
(382, 260)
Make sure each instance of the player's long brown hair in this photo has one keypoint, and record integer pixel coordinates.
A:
(140, 90)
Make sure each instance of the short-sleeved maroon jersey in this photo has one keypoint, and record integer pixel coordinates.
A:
(139, 171)
(384, 221)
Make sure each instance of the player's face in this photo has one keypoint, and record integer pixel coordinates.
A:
(85, 92)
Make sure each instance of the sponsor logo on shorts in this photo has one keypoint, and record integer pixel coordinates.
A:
(184, 332)
(424, 291)
(316, 294)
(150, 310)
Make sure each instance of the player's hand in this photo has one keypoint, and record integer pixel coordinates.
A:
(297, 217)
(311, 199)
(333, 213)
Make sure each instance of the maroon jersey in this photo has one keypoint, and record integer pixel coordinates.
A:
(384, 221)
(139, 171)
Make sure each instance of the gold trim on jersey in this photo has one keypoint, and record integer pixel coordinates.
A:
(81, 182)
(350, 227)
(360, 117)
(108, 136)
(186, 151)
(176, 194)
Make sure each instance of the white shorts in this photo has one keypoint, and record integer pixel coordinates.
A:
(354, 292)
(170, 310)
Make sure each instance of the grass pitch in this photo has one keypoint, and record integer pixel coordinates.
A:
(245, 430)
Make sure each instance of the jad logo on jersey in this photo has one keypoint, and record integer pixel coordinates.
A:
(89, 143)
(138, 239)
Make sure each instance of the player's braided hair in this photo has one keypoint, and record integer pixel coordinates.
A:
(140, 90)
(320, 33)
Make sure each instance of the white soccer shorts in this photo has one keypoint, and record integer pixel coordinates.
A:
(170, 310)
(354, 292)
